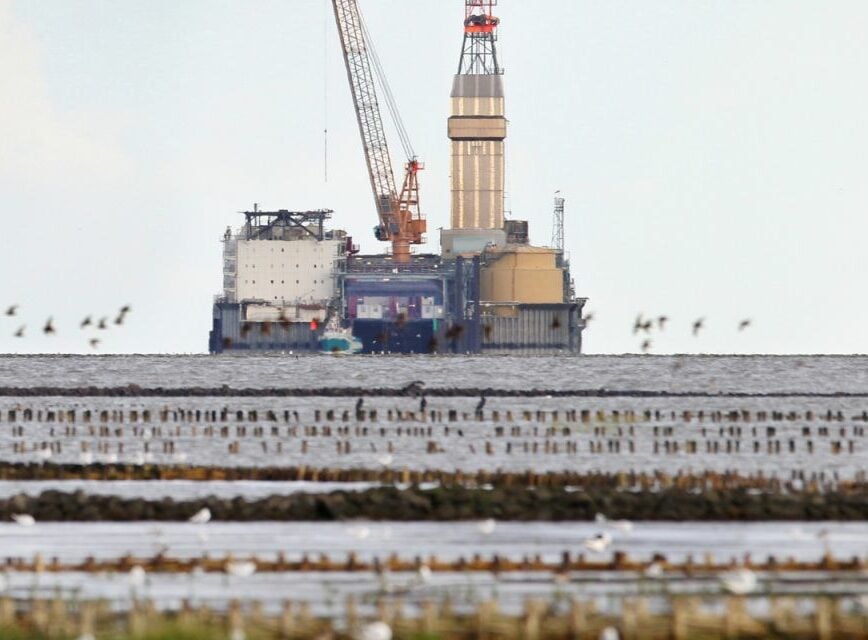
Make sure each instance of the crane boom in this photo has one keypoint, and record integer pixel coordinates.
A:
(399, 218)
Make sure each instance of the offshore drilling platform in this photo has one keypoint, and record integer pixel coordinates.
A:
(292, 284)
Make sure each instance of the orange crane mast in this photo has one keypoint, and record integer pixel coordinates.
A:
(400, 219)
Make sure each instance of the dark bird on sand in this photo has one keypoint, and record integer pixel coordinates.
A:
(48, 329)
(744, 324)
(698, 326)
(480, 404)
(359, 404)
(12, 310)
(414, 388)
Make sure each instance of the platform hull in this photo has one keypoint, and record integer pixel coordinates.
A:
(382, 336)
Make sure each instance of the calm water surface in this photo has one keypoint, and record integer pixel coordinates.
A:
(808, 374)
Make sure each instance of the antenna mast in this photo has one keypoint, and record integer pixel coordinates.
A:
(558, 224)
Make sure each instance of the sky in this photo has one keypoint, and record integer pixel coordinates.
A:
(712, 155)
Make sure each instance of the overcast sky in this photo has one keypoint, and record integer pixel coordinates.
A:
(712, 153)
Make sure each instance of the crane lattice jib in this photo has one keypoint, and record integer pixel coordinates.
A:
(361, 79)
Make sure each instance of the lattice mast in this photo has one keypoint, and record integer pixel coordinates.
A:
(558, 224)
(479, 51)
(400, 218)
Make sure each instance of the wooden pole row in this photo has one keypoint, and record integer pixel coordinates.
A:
(632, 618)
(813, 482)
(569, 562)
(165, 414)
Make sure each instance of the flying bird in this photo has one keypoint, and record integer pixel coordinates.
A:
(137, 576)
(661, 322)
(12, 310)
(103, 323)
(282, 319)
(646, 346)
(487, 527)
(202, 516)
(86, 322)
(122, 314)
(378, 630)
(637, 324)
(624, 526)
(739, 582)
(588, 318)
(240, 569)
(24, 519)
(698, 326)
(94, 343)
(386, 459)
(48, 329)
(454, 332)
(744, 324)
(598, 543)
(20, 332)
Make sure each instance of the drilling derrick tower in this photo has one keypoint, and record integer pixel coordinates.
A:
(479, 50)
(400, 219)
(477, 126)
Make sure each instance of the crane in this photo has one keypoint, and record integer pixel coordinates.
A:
(400, 218)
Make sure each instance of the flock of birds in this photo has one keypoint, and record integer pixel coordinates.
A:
(640, 324)
(738, 581)
(648, 324)
(49, 329)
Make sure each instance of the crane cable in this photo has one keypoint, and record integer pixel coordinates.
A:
(383, 81)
